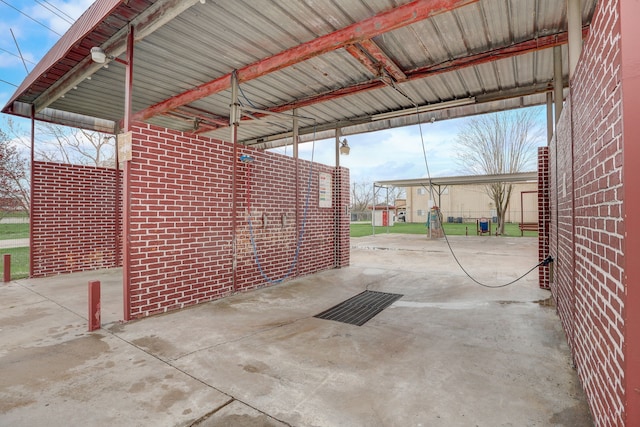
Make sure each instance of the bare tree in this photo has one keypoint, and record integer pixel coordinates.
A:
(361, 196)
(500, 143)
(14, 188)
(396, 193)
(75, 146)
(66, 145)
(53, 143)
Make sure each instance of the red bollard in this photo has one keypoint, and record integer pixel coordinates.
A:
(7, 268)
(94, 305)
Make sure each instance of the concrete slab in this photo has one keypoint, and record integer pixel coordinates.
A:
(448, 353)
(70, 291)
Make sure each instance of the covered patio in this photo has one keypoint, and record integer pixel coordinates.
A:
(448, 353)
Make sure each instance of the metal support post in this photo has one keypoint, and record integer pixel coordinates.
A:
(7, 268)
(549, 117)
(557, 81)
(94, 305)
(574, 23)
(234, 122)
(296, 141)
(126, 191)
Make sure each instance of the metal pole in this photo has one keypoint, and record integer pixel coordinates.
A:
(31, 192)
(7, 267)
(557, 81)
(373, 211)
(549, 117)
(235, 121)
(574, 23)
(126, 202)
(387, 209)
(94, 305)
(297, 177)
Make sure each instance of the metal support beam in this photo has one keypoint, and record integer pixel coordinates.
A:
(31, 193)
(295, 133)
(557, 82)
(549, 117)
(390, 20)
(235, 122)
(128, 82)
(574, 22)
(126, 193)
(297, 177)
(521, 48)
(387, 63)
(362, 57)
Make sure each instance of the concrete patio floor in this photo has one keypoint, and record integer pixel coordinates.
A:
(448, 353)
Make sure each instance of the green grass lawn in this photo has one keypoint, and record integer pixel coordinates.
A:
(359, 230)
(19, 262)
(14, 231)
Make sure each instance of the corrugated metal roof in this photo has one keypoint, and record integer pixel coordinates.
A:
(487, 49)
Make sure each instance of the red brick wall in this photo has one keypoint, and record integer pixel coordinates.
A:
(587, 221)
(630, 60)
(181, 222)
(561, 241)
(72, 218)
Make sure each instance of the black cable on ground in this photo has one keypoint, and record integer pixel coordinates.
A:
(544, 262)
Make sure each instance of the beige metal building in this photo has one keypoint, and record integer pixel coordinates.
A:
(465, 198)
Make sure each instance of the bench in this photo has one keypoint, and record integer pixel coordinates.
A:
(527, 226)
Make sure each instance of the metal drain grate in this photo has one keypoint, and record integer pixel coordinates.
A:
(358, 309)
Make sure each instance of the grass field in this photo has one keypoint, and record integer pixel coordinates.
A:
(19, 256)
(360, 230)
(14, 231)
(19, 262)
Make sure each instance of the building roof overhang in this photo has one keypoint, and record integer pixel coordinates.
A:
(461, 180)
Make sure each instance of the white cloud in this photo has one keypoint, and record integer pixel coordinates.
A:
(394, 153)
(54, 15)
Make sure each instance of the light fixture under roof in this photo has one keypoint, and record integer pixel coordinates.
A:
(98, 55)
(344, 147)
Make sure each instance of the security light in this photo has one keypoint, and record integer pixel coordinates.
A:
(344, 147)
(98, 55)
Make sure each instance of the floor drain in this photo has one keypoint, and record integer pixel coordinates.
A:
(359, 309)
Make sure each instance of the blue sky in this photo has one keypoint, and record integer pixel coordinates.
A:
(390, 154)
(36, 28)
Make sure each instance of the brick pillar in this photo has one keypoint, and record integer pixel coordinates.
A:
(544, 215)
(341, 200)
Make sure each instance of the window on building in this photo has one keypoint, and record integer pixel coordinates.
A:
(422, 191)
(421, 212)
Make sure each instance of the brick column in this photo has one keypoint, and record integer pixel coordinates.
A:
(544, 215)
(341, 200)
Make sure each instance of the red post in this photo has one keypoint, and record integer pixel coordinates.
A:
(94, 305)
(7, 268)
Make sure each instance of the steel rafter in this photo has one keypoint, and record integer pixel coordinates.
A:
(393, 19)
(524, 47)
